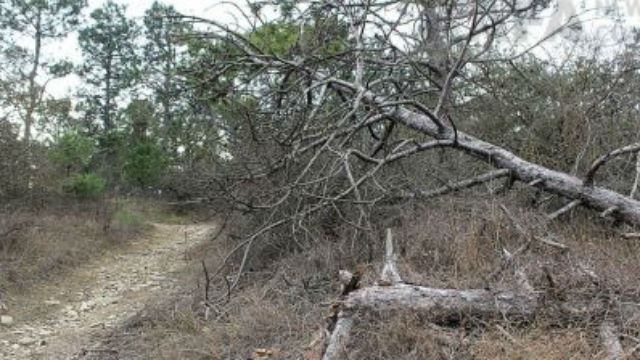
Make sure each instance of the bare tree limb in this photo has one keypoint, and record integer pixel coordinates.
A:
(634, 188)
(464, 184)
(611, 341)
(554, 215)
(588, 178)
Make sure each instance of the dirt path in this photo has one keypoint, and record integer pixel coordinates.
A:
(98, 297)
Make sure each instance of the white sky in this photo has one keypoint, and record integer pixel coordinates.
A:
(216, 9)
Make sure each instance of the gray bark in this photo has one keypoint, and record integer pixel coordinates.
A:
(442, 303)
(611, 342)
(571, 187)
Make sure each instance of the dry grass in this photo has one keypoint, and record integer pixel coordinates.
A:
(41, 243)
(537, 343)
(452, 242)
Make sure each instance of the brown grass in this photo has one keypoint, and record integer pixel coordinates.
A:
(451, 242)
(537, 343)
(41, 243)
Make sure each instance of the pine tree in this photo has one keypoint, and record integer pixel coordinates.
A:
(111, 62)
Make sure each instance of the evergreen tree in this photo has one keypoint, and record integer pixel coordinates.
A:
(111, 63)
(25, 27)
(162, 56)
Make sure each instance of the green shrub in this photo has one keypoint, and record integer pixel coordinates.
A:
(128, 218)
(144, 164)
(73, 150)
(85, 186)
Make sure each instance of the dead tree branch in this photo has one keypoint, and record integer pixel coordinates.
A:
(439, 304)
(629, 149)
(461, 185)
(554, 215)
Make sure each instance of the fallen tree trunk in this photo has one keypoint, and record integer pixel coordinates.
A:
(449, 306)
(430, 123)
(571, 187)
(446, 305)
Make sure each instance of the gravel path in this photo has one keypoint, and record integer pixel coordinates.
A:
(100, 296)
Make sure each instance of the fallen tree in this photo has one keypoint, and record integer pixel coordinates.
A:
(570, 187)
(369, 103)
(331, 130)
(446, 306)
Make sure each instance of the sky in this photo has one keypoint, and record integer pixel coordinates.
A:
(220, 10)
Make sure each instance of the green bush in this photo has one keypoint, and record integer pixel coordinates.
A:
(85, 186)
(144, 163)
(128, 218)
(73, 150)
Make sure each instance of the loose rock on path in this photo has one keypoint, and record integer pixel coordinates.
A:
(98, 297)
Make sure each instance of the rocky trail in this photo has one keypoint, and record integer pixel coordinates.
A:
(95, 299)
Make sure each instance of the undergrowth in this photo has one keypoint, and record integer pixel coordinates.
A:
(285, 295)
(37, 243)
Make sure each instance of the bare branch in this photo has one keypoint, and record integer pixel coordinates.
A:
(564, 209)
(633, 148)
(634, 188)
(464, 184)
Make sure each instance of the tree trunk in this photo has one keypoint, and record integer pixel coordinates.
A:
(108, 124)
(33, 95)
(571, 187)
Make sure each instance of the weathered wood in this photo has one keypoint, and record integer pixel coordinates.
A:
(339, 337)
(611, 342)
(438, 304)
(547, 179)
(608, 212)
(631, 236)
(441, 303)
(633, 148)
(390, 274)
(349, 281)
(553, 181)
(461, 185)
(554, 215)
(636, 180)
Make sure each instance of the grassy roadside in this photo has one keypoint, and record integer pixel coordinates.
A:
(38, 245)
(451, 243)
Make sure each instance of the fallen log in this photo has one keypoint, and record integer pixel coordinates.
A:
(557, 182)
(442, 303)
(445, 305)
(449, 306)
(428, 122)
